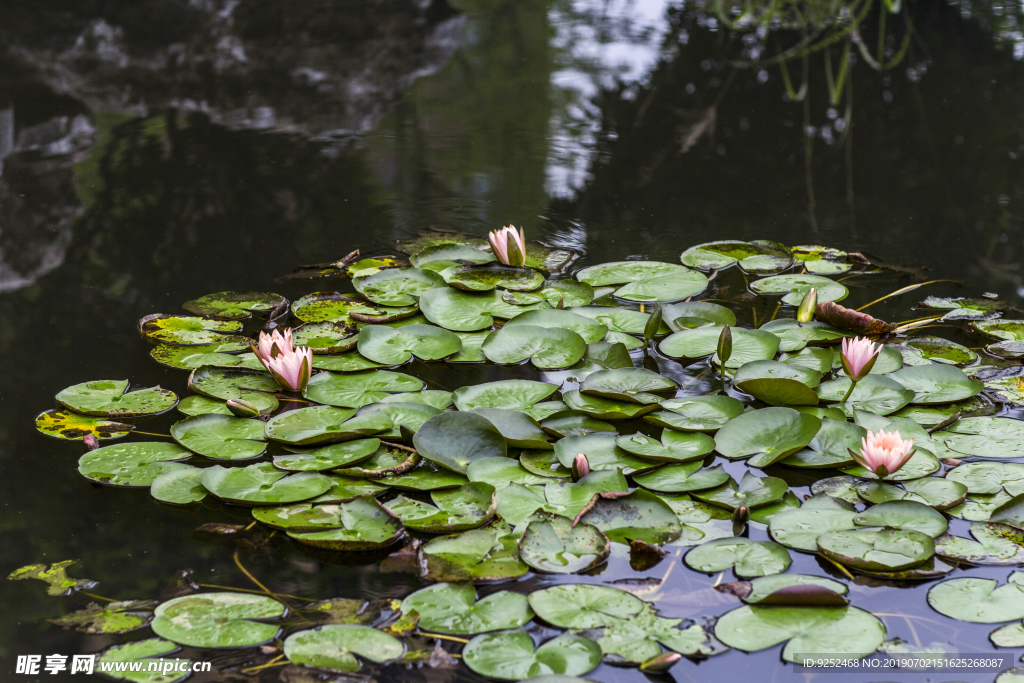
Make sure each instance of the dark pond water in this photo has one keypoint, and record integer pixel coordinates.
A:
(159, 150)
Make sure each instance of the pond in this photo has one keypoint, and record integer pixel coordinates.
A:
(158, 151)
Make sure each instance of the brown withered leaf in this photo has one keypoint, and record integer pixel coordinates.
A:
(851, 320)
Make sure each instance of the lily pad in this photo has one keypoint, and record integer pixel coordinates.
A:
(325, 338)
(251, 386)
(449, 252)
(558, 546)
(111, 398)
(453, 608)
(616, 319)
(146, 652)
(903, 514)
(546, 348)
(320, 307)
(262, 484)
(545, 464)
(674, 447)
(879, 394)
(135, 464)
(633, 385)
(180, 486)
(885, 550)
(454, 440)
(980, 601)
(221, 620)
(467, 507)
(328, 457)
(460, 311)
(937, 383)
(192, 357)
(409, 415)
(510, 655)
(358, 390)
(691, 314)
(810, 631)
(778, 384)
(479, 555)
(636, 516)
(646, 280)
(519, 429)
(747, 345)
(990, 477)
(748, 558)
(682, 478)
(349, 361)
(921, 464)
(936, 492)
(817, 358)
(797, 335)
(584, 326)
(388, 465)
(55, 576)
(365, 525)
(62, 424)
(394, 346)
(697, 413)
(221, 437)
(1008, 330)
(114, 618)
(482, 278)
(830, 447)
(602, 452)
(324, 425)
(940, 350)
(160, 328)
(759, 256)
(345, 490)
(397, 286)
(233, 305)
(795, 286)
(424, 476)
(993, 544)
(769, 435)
(773, 590)
(605, 408)
(510, 394)
(801, 528)
(334, 647)
(751, 492)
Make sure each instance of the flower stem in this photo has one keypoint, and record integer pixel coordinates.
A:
(853, 385)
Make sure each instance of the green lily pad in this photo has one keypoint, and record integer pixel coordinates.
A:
(691, 314)
(751, 492)
(884, 550)
(682, 478)
(701, 522)
(989, 477)
(365, 525)
(482, 278)
(697, 413)
(144, 651)
(386, 465)
(545, 464)
(332, 307)
(510, 394)
(602, 453)
(616, 319)
(636, 516)
(453, 608)
(769, 435)
(800, 528)
(557, 546)
(460, 311)
(546, 348)
(111, 398)
(454, 440)
(347, 489)
(159, 328)
(394, 346)
(994, 544)
(1006, 349)
(821, 260)
(766, 589)
(349, 361)
(516, 502)
(830, 447)
(334, 647)
(810, 631)
(795, 286)
(467, 507)
(221, 437)
(356, 391)
(471, 351)
(55, 576)
(132, 464)
(180, 486)
(879, 394)
(939, 350)
(633, 385)
(1008, 330)
(747, 345)
(478, 555)
(424, 476)
(62, 424)
(796, 335)
(114, 618)
(410, 415)
(903, 514)
(519, 429)
(300, 517)
(325, 338)
(748, 558)
(447, 251)
(937, 383)
(221, 620)
(324, 425)
(262, 484)
(980, 601)
(510, 655)
(328, 457)
(759, 256)
(817, 359)
(605, 408)
(500, 472)
(674, 447)
(397, 286)
(936, 492)
(192, 357)
(961, 308)
(574, 423)
(646, 280)
(777, 384)
(251, 386)
(233, 305)
(584, 606)
(584, 326)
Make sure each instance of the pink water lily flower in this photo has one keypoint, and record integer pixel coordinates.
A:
(883, 453)
(509, 246)
(859, 357)
(290, 365)
(580, 467)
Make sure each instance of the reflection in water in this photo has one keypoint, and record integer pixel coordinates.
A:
(161, 150)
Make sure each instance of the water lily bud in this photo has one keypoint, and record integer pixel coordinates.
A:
(661, 663)
(580, 467)
(741, 515)
(91, 442)
(561, 303)
(805, 313)
(242, 408)
(725, 345)
(653, 323)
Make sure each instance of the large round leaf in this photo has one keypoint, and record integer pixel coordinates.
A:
(879, 550)
(605, 408)
(262, 484)
(519, 429)
(682, 478)
(159, 328)
(218, 620)
(334, 647)
(487, 277)
(62, 424)
(324, 338)
(981, 601)
(674, 446)
(500, 472)
(830, 447)
(394, 346)
(584, 606)
(358, 390)
(558, 546)
(751, 492)
(628, 384)
(926, 350)
(636, 516)
(796, 335)
(624, 320)
(691, 314)
(449, 253)
(233, 305)
(697, 413)
(810, 631)
(584, 326)
(510, 394)
(252, 386)
(903, 514)
(747, 345)
(801, 528)
(759, 256)
(879, 394)
(365, 525)
(778, 384)
(795, 286)
(990, 477)
(468, 311)
(333, 307)
(111, 398)
(479, 555)
(646, 280)
(397, 286)
(466, 507)
(179, 486)
(454, 440)
(132, 464)
(749, 558)
(453, 608)
(994, 544)
(937, 383)
(192, 357)
(328, 457)
(323, 425)
(602, 453)
(544, 347)
(769, 435)
(221, 437)
(510, 655)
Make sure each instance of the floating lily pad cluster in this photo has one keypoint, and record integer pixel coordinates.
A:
(481, 482)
